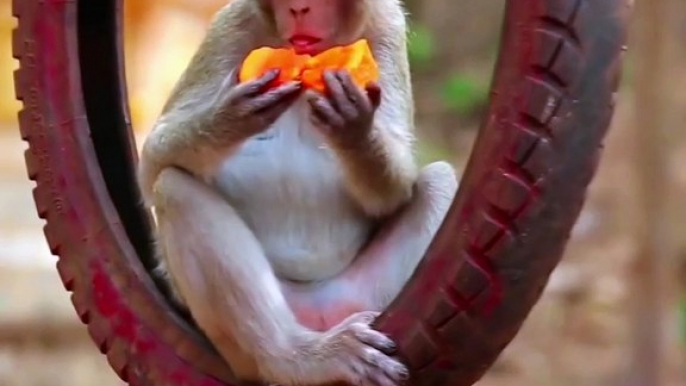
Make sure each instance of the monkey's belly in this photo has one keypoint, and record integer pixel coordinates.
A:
(288, 189)
(304, 241)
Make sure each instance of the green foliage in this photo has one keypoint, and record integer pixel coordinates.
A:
(420, 45)
(463, 93)
(683, 319)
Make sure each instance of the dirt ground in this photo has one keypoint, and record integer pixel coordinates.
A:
(577, 334)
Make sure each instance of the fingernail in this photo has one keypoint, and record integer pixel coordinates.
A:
(404, 374)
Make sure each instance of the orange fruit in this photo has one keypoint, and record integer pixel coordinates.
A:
(357, 58)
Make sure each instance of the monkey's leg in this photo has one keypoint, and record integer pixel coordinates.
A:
(384, 266)
(230, 289)
(220, 271)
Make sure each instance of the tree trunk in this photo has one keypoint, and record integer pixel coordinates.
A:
(650, 268)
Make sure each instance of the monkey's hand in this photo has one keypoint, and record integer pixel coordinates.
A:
(346, 114)
(249, 108)
(351, 352)
(374, 151)
(201, 126)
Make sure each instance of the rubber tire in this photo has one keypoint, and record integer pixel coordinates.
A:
(552, 101)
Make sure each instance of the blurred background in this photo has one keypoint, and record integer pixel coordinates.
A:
(614, 312)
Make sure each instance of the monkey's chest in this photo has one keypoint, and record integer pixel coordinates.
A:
(287, 163)
(288, 188)
(282, 165)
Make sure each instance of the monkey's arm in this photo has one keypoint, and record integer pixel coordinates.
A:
(184, 135)
(380, 170)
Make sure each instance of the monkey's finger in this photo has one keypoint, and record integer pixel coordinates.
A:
(353, 92)
(374, 94)
(325, 111)
(256, 86)
(339, 95)
(374, 372)
(381, 379)
(384, 369)
(392, 368)
(274, 111)
(228, 83)
(288, 91)
(319, 123)
(373, 338)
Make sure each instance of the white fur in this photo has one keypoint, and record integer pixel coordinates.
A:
(287, 186)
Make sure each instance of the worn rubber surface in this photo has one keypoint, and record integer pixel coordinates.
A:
(537, 151)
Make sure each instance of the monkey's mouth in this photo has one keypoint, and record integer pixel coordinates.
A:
(303, 44)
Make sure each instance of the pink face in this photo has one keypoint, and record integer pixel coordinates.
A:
(312, 26)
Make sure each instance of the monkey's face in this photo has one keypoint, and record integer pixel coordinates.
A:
(312, 26)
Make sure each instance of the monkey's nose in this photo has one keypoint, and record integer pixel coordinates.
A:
(299, 11)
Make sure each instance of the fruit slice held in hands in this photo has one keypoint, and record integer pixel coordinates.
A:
(264, 59)
(356, 58)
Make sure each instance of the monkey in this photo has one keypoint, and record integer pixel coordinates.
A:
(288, 219)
